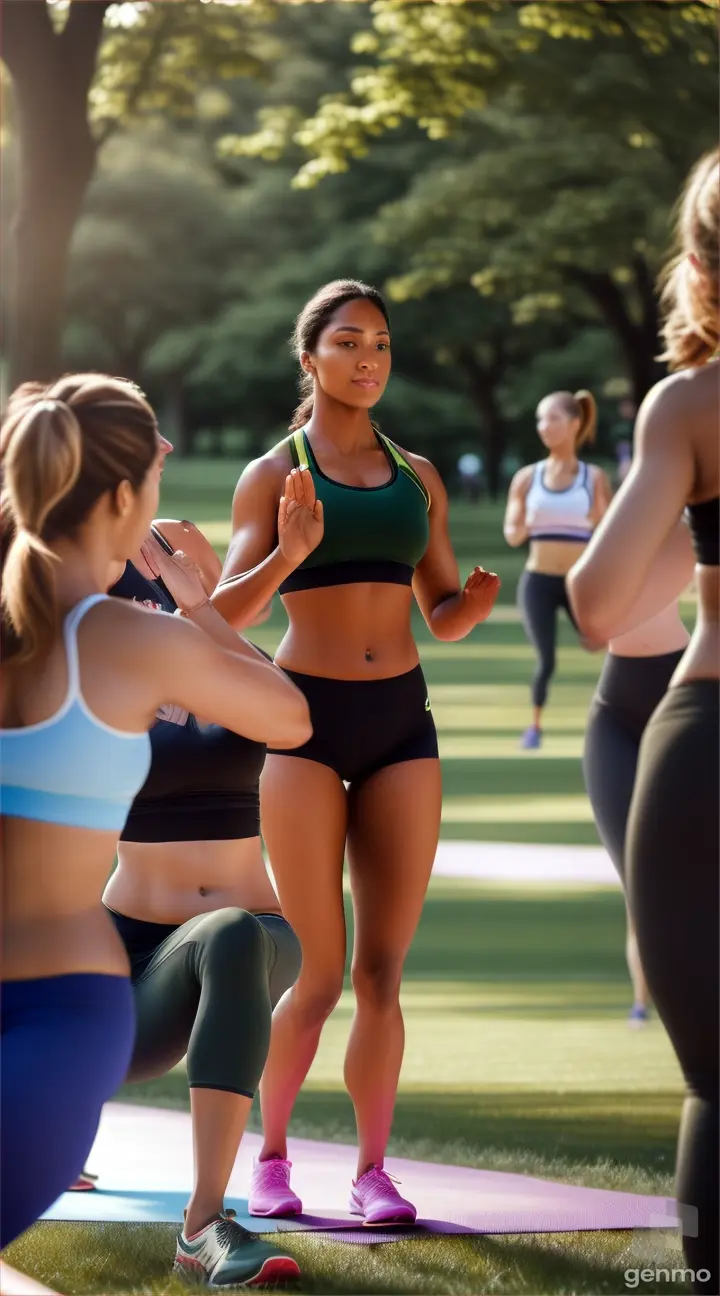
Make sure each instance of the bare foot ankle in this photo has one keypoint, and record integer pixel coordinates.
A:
(196, 1220)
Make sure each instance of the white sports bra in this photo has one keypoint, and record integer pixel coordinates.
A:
(560, 514)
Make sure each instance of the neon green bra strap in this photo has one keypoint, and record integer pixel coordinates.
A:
(298, 453)
(299, 456)
(404, 466)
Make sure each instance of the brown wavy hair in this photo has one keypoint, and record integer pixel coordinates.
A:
(689, 298)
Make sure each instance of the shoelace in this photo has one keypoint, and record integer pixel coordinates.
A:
(276, 1173)
(379, 1181)
(229, 1232)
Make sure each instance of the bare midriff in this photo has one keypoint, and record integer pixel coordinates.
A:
(554, 557)
(351, 632)
(702, 659)
(664, 633)
(53, 921)
(172, 882)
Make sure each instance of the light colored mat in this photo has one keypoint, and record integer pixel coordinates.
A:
(521, 862)
(143, 1157)
(13, 1283)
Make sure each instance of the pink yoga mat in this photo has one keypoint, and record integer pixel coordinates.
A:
(143, 1157)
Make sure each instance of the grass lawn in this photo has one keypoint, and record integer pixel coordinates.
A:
(518, 1058)
(518, 1055)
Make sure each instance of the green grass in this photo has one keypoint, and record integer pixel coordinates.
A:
(518, 1057)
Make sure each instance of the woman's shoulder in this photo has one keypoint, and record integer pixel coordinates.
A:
(268, 470)
(425, 469)
(687, 391)
(523, 478)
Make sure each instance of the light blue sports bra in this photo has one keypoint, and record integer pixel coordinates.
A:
(72, 769)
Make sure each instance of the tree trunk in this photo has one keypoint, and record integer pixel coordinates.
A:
(650, 325)
(51, 75)
(175, 425)
(638, 340)
(483, 381)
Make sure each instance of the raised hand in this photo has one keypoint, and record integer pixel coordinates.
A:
(178, 572)
(300, 517)
(480, 592)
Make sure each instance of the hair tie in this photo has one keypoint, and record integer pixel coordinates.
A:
(50, 406)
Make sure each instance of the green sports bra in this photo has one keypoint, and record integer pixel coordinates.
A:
(372, 533)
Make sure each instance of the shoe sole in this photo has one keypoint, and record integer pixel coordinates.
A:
(273, 1270)
(276, 1213)
(395, 1222)
(390, 1223)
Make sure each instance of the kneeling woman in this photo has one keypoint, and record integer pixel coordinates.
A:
(210, 952)
(348, 527)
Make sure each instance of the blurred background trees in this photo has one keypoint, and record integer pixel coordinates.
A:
(179, 178)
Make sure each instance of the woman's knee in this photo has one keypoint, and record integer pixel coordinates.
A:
(315, 997)
(376, 982)
(232, 941)
(701, 1076)
(287, 962)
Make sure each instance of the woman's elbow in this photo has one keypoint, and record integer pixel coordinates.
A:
(514, 536)
(590, 616)
(294, 727)
(229, 602)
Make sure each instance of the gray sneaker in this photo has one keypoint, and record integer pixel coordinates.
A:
(224, 1254)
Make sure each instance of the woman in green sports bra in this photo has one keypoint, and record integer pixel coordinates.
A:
(348, 528)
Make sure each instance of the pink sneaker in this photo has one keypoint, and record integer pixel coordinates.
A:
(270, 1191)
(375, 1197)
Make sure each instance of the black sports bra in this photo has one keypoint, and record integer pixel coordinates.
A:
(203, 783)
(704, 522)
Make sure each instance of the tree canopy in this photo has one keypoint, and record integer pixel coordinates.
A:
(566, 132)
(505, 173)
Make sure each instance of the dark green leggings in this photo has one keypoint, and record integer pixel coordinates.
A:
(207, 989)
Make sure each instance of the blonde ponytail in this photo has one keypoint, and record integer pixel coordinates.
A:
(61, 448)
(587, 413)
(28, 596)
(42, 457)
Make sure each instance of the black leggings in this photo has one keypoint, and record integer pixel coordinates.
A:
(208, 988)
(673, 848)
(628, 691)
(539, 597)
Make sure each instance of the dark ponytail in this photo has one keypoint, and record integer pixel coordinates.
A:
(304, 410)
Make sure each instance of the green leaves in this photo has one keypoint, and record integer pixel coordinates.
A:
(159, 60)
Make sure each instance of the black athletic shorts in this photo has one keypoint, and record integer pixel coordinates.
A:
(362, 726)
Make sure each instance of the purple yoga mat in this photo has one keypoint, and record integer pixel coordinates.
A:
(143, 1157)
